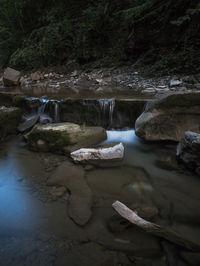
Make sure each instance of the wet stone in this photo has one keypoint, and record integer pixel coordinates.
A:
(80, 201)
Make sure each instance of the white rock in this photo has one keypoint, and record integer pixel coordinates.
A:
(112, 153)
(162, 87)
(175, 82)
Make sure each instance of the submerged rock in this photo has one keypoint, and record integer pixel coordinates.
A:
(168, 117)
(80, 201)
(9, 119)
(188, 151)
(64, 137)
(11, 77)
(58, 191)
(111, 153)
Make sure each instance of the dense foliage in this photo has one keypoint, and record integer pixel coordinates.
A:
(162, 34)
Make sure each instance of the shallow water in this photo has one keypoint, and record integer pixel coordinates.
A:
(137, 181)
(140, 181)
(15, 203)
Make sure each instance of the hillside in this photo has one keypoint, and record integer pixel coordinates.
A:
(163, 36)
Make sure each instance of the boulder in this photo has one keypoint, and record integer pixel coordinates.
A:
(9, 119)
(11, 77)
(175, 82)
(169, 116)
(63, 138)
(36, 76)
(111, 153)
(188, 151)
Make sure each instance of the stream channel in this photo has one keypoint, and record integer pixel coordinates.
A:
(36, 230)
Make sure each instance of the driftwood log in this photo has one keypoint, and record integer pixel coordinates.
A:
(154, 229)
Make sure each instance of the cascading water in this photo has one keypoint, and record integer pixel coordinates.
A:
(48, 110)
(44, 116)
(42, 107)
(107, 107)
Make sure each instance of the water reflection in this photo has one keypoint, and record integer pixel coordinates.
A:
(15, 203)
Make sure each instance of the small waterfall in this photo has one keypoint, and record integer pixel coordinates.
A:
(44, 116)
(56, 112)
(48, 110)
(107, 107)
(41, 109)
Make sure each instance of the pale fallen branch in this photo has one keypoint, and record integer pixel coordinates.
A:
(154, 229)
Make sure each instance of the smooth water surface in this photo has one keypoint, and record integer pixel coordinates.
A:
(16, 206)
(148, 176)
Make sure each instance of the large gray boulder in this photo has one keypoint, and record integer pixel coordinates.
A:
(11, 77)
(188, 151)
(169, 116)
(63, 138)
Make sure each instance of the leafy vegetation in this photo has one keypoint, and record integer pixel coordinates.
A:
(163, 35)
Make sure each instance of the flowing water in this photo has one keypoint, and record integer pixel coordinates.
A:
(47, 110)
(107, 107)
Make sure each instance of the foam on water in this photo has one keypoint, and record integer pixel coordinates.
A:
(124, 136)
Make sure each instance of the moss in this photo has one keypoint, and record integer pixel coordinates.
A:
(6, 98)
(9, 119)
(55, 141)
(18, 100)
(11, 99)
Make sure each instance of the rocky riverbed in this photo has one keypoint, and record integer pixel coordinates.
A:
(75, 81)
(55, 211)
(45, 197)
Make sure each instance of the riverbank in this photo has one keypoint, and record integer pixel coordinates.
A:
(119, 82)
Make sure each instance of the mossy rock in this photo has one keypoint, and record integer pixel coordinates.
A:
(9, 119)
(10, 99)
(64, 138)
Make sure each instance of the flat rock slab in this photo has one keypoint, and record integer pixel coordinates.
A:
(11, 77)
(63, 138)
(80, 201)
(112, 153)
(168, 117)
